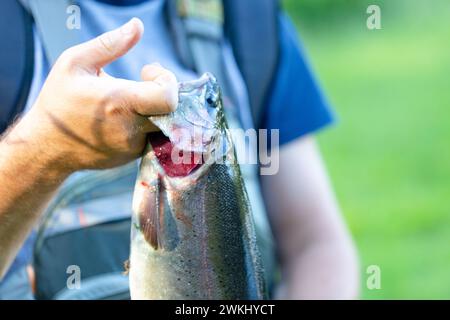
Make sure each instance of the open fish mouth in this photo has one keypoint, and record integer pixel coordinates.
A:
(196, 133)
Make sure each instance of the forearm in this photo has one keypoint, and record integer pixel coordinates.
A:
(317, 254)
(321, 270)
(29, 175)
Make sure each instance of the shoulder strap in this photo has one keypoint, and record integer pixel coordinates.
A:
(199, 26)
(252, 27)
(198, 31)
(16, 60)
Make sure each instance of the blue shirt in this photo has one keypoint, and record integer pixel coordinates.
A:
(296, 105)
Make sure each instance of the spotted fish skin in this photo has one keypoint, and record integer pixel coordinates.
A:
(193, 235)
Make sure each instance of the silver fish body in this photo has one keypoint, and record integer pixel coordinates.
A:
(193, 233)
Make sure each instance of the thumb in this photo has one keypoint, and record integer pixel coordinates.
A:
(109, 46)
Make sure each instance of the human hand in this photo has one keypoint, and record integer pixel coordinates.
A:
(84, 118)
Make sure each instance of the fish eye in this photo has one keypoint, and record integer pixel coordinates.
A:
(211, 100)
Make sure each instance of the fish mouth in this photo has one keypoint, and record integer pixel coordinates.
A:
(193, 134)
(164, 149)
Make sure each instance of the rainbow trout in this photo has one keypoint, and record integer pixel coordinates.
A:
(192, 231)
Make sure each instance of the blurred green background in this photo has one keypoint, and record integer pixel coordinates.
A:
(389, 154)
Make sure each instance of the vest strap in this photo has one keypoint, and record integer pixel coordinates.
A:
(198, 30)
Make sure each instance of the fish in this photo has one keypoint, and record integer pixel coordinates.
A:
(193, 235)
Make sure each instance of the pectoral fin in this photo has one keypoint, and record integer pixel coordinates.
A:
(149, 214)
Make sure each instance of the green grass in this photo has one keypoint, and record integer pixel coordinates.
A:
(389, 154)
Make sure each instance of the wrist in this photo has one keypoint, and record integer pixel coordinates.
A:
(29, 144)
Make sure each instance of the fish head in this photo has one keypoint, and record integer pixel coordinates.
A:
(195, 133)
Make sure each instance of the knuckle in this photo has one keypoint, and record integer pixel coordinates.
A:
(115, 103)
(115, 109)
(105, 43)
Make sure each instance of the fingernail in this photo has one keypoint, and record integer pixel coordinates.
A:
(155, 64)
(130, 26)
